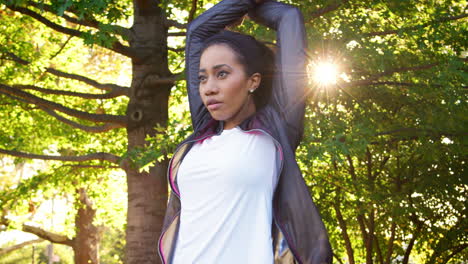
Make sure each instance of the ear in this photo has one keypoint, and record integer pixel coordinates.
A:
(254, 81)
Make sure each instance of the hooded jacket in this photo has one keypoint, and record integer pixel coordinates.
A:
(299, 235)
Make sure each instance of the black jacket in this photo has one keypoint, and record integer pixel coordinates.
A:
(299, 235)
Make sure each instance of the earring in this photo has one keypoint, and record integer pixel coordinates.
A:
(251, 91)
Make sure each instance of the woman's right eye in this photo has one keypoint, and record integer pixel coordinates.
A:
(201, 78)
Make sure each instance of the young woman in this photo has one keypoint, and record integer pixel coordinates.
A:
(238, 195)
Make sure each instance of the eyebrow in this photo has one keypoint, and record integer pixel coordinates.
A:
(216, 67)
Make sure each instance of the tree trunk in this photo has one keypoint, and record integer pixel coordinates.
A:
(86, 241)
(344, 232)
(148, 106)
(370, 238)
(408, 250)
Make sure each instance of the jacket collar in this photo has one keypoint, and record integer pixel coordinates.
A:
(215, 127)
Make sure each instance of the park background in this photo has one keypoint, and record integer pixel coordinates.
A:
(93, 103)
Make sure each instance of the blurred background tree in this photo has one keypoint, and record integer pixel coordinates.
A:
(92, 92)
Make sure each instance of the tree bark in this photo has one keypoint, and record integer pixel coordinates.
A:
(388, 256)
(408, 250)
(148, 106)
(86, 241)
(378, 250)
(370, 238)
(371, 222)
(410, 246)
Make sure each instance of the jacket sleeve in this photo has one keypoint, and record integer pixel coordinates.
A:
(204, 26)
(289, 85)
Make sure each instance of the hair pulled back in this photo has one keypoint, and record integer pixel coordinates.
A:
(255, 56)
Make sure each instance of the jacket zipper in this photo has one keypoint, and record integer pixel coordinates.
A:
(175, 193)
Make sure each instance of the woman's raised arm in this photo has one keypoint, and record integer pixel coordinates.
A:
(204, 26)
(289, 86)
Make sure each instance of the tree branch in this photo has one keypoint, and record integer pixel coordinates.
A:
(390, 243)
(113, 88)
(329, 8)
(92, 129)
(172, 23)
(403, 69)
(370, 238)
(409, 248)
(382, 165)
(362, 226)
(174, 78)
(371, 77)
(176, 34)
(176, 49)
(337, 258)
(378, 249)
(44, 234)
(407, 130)
(352, 171)
(450, 241)
(84, 198)
(193, 10)
(369, 164)
(67, 93)
(122, 31)
(117, 89)
(93, 166)
(391, 32)
(45, 21)
(7, 250)
(344, 232)
(94, 156)
(153, 79)
(371, 82)
(15, 58)
(116, 46)
(61, 47)
(121, 120)
(455, 251)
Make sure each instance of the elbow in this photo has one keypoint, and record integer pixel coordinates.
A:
(292, 14)
(190, 29)
(194, 29)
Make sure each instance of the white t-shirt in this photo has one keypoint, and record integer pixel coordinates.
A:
(226, 187)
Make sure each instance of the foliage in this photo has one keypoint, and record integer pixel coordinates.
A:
(384, 149)
(112, 246)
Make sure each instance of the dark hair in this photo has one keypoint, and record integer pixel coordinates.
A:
(255, 56)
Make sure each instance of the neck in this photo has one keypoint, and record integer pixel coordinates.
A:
(244, 112)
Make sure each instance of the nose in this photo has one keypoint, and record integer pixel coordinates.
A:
(209, 87)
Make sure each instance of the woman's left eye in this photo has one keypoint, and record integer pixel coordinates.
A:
(222, 74)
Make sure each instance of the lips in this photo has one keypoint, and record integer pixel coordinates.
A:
(213, 104)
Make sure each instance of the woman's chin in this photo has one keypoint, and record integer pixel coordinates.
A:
(219, 117)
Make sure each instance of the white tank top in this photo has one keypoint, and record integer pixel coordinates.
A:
(226, 187)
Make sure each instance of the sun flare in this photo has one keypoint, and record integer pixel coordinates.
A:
(324, 73)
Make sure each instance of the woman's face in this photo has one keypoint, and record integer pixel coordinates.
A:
(224, 85)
